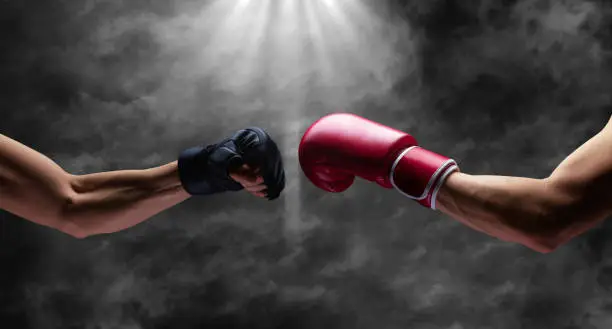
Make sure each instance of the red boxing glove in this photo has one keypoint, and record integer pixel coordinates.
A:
(338, 147)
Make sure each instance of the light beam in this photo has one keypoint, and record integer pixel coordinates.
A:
(280, 50)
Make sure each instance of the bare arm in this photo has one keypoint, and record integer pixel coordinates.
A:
(539, 213)
(35, 188)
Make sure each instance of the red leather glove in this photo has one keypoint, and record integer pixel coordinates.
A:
(338, 147)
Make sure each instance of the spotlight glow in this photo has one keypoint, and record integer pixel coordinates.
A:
(280, 50)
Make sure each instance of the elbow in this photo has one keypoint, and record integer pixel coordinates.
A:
(550, 231)
(73, 230)
(552, 217)
(554, 220)
(543, 246)
(544, 242)
(68, 225)
(68, 220)
(554, 239)
(562, 215)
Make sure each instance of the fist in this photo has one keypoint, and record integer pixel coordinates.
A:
(338, 147)
(251, 180)
(249, 159)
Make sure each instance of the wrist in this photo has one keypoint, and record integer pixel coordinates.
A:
(419, 174)
(165, 177)
(446, 199)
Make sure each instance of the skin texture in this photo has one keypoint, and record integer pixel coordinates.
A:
(35, 188)
(539, 213)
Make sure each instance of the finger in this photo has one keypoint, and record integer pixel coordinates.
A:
(248, 170)
(259, 194)
(248, 181)
(246, 176)
(256, 188)
(249, 167)
(242, 170)
(258, 180)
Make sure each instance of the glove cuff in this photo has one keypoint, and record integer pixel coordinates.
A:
(190, 169)
(419, 174)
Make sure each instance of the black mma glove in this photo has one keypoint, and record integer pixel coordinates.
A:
(206, 170)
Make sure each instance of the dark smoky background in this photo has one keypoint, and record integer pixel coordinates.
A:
(505, 87)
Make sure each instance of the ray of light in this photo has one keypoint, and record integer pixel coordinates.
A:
(318, 40)
(274, 49)
(225, 29)
(338, 19)
(341, 44)
(356, 30)
(260, 21)
(243, 33)
(291, 65)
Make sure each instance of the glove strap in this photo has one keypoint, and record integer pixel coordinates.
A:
(418, 174)
(190, 168)
(204, 170)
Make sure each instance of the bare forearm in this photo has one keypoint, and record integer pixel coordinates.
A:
(113, 201)
(510, 208)
(34, 187)
(539, 213)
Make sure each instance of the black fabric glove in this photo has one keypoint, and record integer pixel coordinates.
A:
(206, 170)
